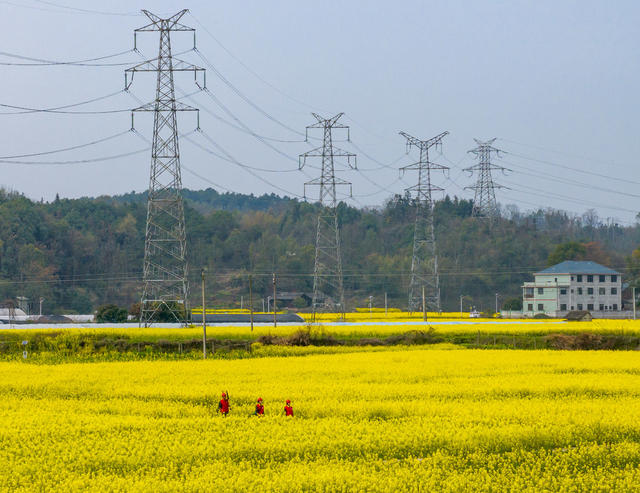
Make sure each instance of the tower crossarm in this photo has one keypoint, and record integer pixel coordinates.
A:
(424, 144)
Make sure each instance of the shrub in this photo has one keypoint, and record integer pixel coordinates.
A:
(111, 313)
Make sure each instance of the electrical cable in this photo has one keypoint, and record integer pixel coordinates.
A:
(382, 165)
(555, 178)
(268, 144)
(233, 160)
(562, 153)
(88, 11)
(245, 98)
(77, 161)
(94, 142)
(55, 108)
(566, 198)
(237, 162)
(577, 170)
(40, 62)
(237, 127)
(250, 70)
(205, 179)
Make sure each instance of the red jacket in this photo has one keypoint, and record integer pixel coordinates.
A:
(288, 410)
(259, 409)
(223, 406)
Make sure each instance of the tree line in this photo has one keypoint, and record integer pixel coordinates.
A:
(79, 254)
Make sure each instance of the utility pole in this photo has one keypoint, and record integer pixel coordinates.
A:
(424, 263)
(497, 300)
(204, 318)
(424, 305)
(385, 304)
(484, 200)
(634, 303)
(275, 321)
(165, 269)
(251, 300)
(462, 296)
(328, 287)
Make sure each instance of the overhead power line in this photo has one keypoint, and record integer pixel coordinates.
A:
(45, 62)
(56, 108)
(86, 11)
(555, 179)
(250, 70)
(65, 149)
(230, 158)
(247, 129)
(76, 161)
(245, 98)
(220, 156)
(577, 170)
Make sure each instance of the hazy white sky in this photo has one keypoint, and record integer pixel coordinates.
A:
(555, 81)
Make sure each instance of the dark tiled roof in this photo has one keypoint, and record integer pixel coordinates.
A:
(578, 267)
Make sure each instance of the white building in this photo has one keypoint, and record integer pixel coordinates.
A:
(573, 285)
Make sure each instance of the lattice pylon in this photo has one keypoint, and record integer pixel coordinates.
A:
(328, 283)
(484, 200)
(424, 261)
(165, 270)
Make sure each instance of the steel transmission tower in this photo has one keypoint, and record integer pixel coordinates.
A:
(484, 201)
(424, 263)
(328, 288)
(165, 286)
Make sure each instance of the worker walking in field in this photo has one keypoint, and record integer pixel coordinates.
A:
(259, 408)
(288, 410)
(223, 405)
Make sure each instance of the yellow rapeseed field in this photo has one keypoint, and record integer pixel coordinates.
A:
(361, 329)
(386, 420)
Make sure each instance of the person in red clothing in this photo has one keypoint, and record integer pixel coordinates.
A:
(259, 408)
(223, 405)
(288, 410)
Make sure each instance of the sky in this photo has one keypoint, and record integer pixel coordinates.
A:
(555, 82)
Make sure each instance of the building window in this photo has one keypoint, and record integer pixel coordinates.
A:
(563, 307)
(563, 290)
(579, 290)
(602, 291)
(589, 290)
(614, 278)
(589, 278)
(528, 292)
(572, 278)
(579, 306)
(601, 278)
(590, 306)
(614, 290)
(601, 308)
(580, 278)
(540, 307)
(615, 306)
(530, 307)
(540, 290)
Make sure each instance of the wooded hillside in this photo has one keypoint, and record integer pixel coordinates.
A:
(82, 253)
